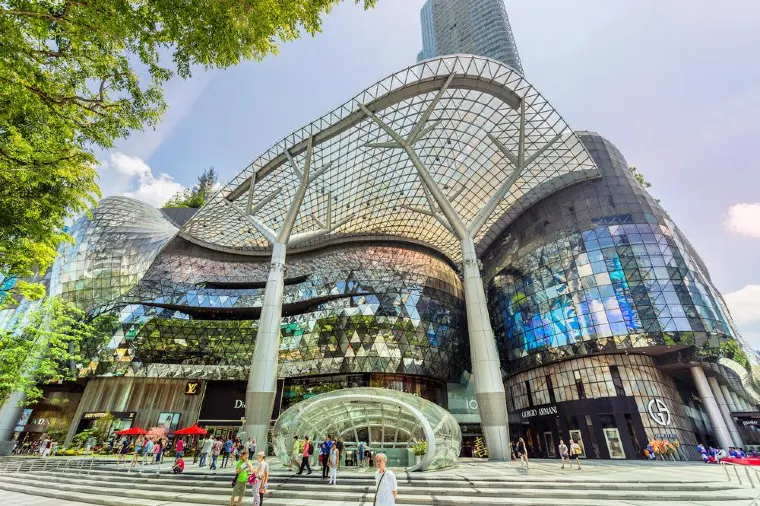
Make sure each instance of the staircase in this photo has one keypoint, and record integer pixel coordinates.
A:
(476, 484)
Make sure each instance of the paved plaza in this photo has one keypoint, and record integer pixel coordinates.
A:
(615, 483)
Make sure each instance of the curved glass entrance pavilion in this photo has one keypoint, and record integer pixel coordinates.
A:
(390, 421)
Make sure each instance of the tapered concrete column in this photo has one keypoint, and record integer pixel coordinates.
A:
(713, 411)
(731, 399)
(10, 412)
(725, 410)
(262, 378)
(489, 388)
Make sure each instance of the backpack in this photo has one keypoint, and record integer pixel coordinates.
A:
(311, 448)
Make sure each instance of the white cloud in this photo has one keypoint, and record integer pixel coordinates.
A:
(744, 219)
(744, 305)
(132, 177)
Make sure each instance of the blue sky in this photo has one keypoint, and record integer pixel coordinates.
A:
(677, 89)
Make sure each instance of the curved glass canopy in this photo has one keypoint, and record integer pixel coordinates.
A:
(386, 419)
(489, 140)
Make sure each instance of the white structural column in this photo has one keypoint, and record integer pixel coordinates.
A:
(725, 410)
(486, 370)
(10, 412)
(731, 399)
(713, 411)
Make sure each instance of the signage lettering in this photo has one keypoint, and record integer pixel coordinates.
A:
(547, 410)
(122, 415)
(239, 404)
(749, 422)
(192, 388)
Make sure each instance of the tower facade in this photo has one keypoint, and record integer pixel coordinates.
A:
(479, 27)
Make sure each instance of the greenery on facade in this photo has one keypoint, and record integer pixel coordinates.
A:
(44, 346)
(639, 177)
(728, 348)
(99, 432)
(196, 196)
(420, 448)
(77, 75)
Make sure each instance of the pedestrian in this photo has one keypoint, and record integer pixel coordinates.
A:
(164, 448)
(251, 448)
(563, 454)
(45, 447)
(575, 453)
(227, 452)
(324, 454)
(179, 448)
(179, 465)
(308, 451)
(386, 488)
(216, 449)
(138, 450)
(195, 449)
(243, 469)
(703, 453)
(124, 448)
(332, 461)
(206, 449)
(295, 453)
(522, 453)
(361, 453)
(262, 479)
(148, 451)
(157, 451)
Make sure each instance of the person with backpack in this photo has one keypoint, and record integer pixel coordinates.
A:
(575, 453)
(324, 454)
(227, 452)
(308, 451)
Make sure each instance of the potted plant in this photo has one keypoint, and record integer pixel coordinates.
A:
(419, 449)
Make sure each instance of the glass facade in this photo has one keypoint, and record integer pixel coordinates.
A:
(596, 268)
(387, 420)
(478, 27)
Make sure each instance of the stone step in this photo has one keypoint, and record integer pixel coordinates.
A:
(169, 482)
(440, 497)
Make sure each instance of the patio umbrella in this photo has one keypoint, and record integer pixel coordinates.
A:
(190, 431)
(132, 431)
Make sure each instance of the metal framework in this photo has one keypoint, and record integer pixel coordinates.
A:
(444, 153)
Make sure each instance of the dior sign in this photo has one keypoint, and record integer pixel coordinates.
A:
(239, 404)
(548, 410)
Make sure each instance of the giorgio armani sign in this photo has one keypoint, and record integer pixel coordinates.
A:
(545, 411)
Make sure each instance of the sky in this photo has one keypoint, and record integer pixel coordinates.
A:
(675, 85)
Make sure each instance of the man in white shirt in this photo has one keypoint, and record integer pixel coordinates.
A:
(205, 450)
(385, 481)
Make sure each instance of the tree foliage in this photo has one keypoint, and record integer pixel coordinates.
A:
(45, 345)
(196, 196)
(639, 177)
(75, 75)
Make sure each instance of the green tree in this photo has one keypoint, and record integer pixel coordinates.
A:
(44, 346)
(639, 177)
(75, 75)
(196, 196)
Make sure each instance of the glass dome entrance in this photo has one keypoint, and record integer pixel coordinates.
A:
(389, 421)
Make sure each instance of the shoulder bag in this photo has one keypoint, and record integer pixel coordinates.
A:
(374, 501)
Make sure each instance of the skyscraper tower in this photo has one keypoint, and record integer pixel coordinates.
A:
(479, 27)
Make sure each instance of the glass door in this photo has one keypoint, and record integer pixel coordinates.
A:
(614, 444)
(575, 435)
(549, 440)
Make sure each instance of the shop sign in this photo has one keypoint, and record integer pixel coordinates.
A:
(748, 422)
(659, 412)
(121, 415)
(239, 404)
(192, 388)
(547, 410)
(40, 421)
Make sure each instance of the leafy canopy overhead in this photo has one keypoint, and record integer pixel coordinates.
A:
(77, 75)
(196, 196)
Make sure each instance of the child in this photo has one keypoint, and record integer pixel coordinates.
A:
(179, 465)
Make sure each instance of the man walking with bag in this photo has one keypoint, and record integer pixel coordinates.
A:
(386, 490)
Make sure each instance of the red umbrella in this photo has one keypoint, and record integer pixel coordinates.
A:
(190, 431)
(132, 431)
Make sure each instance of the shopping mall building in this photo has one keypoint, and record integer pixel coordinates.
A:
(443, 233)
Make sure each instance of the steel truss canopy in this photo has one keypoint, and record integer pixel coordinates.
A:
(491, 144)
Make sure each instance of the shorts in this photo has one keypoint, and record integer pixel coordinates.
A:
(239, 489)
(139, 451)
(179, 454)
